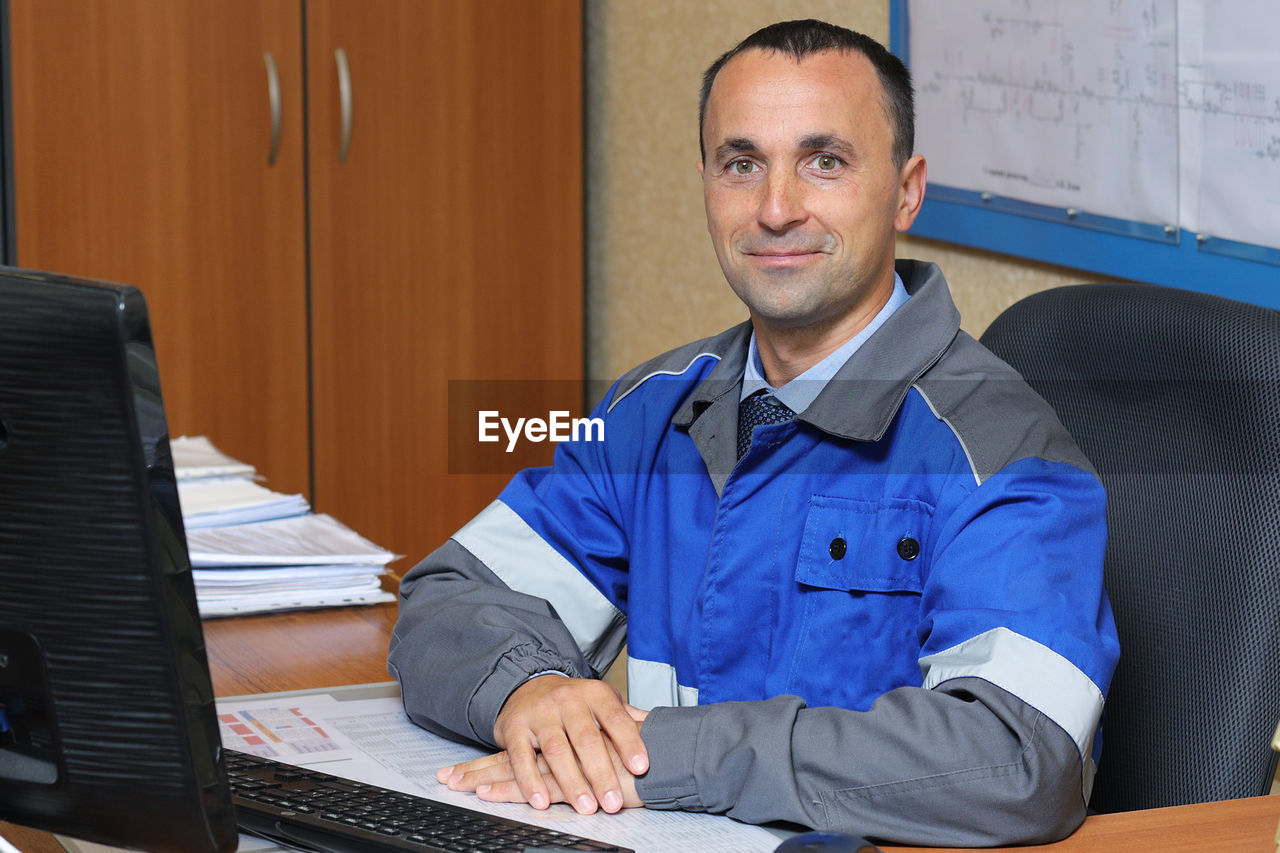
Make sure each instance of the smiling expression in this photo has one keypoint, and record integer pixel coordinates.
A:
(802, 195)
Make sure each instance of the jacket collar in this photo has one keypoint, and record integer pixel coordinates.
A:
(863, 397)
(724, 378)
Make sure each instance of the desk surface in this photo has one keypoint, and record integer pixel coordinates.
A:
(299, 650)
(1234, 826)
(293, 651)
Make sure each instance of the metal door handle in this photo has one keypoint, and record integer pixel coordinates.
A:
(273, 100)
(344, 102)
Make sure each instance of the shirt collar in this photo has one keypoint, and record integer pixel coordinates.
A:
(801, 391)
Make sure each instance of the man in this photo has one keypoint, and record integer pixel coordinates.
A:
(856, 561)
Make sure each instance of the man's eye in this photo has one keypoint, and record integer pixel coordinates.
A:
(742, 167)
(826, 162)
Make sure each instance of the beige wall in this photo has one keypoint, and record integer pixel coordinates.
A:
(652, 279)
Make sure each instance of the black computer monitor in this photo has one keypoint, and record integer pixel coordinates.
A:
(107, 724)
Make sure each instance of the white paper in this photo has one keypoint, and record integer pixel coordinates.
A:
(299, 540)
(1230, 93)
(372, 741)
(195, 457)
(285, 564)
(284, 542)
(271, 601)
(222, 501)
(315, 582)
(257, 551)
(284, 577)
(1071, 105)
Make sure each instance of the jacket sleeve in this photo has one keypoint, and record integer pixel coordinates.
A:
(464, 641)
(500, 601)
(966, 764)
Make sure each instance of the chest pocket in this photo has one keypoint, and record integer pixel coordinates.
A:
(859, 576)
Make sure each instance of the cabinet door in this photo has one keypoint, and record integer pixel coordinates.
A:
(446, 247)
(141, 131)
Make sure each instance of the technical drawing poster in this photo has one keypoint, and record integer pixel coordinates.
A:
(1157, 111)
(1057, 102)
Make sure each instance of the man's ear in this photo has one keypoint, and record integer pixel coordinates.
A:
(699, 168)
(911, 183)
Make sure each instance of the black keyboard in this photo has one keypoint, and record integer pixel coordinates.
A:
(320, 812)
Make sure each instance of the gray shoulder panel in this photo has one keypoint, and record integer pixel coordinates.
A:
(676, 361)
(993, 412)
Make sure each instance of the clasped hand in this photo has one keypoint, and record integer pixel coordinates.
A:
(569, 740)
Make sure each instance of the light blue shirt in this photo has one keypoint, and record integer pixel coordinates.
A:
(801, 391)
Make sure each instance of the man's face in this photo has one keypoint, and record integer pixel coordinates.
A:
(803, 199)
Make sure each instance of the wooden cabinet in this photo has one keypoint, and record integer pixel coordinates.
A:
(452, 236)
(311, 312)
(140, 134)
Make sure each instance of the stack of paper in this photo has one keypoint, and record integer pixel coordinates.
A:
(218, 501)
(254, 550)
(195, 457)
(217, 490)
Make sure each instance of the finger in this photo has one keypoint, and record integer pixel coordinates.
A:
(445, 774)
(630, 799)
(564, 760)
(483, 776)
(596, 758)
(624, 733)
(524, 768)
(509, 792)
(501, 772)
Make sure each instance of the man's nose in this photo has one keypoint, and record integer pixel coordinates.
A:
(782, 205)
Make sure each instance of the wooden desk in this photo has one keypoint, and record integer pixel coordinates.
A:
(292, 651)
(299, 650)
(1233, 826)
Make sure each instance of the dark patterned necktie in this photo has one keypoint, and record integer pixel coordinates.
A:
(759, 408)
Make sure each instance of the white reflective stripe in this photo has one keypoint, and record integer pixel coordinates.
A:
(513, 551)
(649, 376)
(651, 684)
(959, 438)
(1033, 672)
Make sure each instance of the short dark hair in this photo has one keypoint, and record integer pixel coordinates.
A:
(806, 37)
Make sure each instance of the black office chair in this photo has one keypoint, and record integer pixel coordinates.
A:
(1175, 398)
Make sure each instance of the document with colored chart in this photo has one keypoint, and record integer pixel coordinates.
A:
(371, 740)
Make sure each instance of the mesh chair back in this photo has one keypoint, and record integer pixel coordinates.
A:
(1175, 398)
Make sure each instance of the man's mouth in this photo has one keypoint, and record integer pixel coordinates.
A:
(783, 258)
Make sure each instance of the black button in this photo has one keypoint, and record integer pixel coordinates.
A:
(908, 548)
(838, 548)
